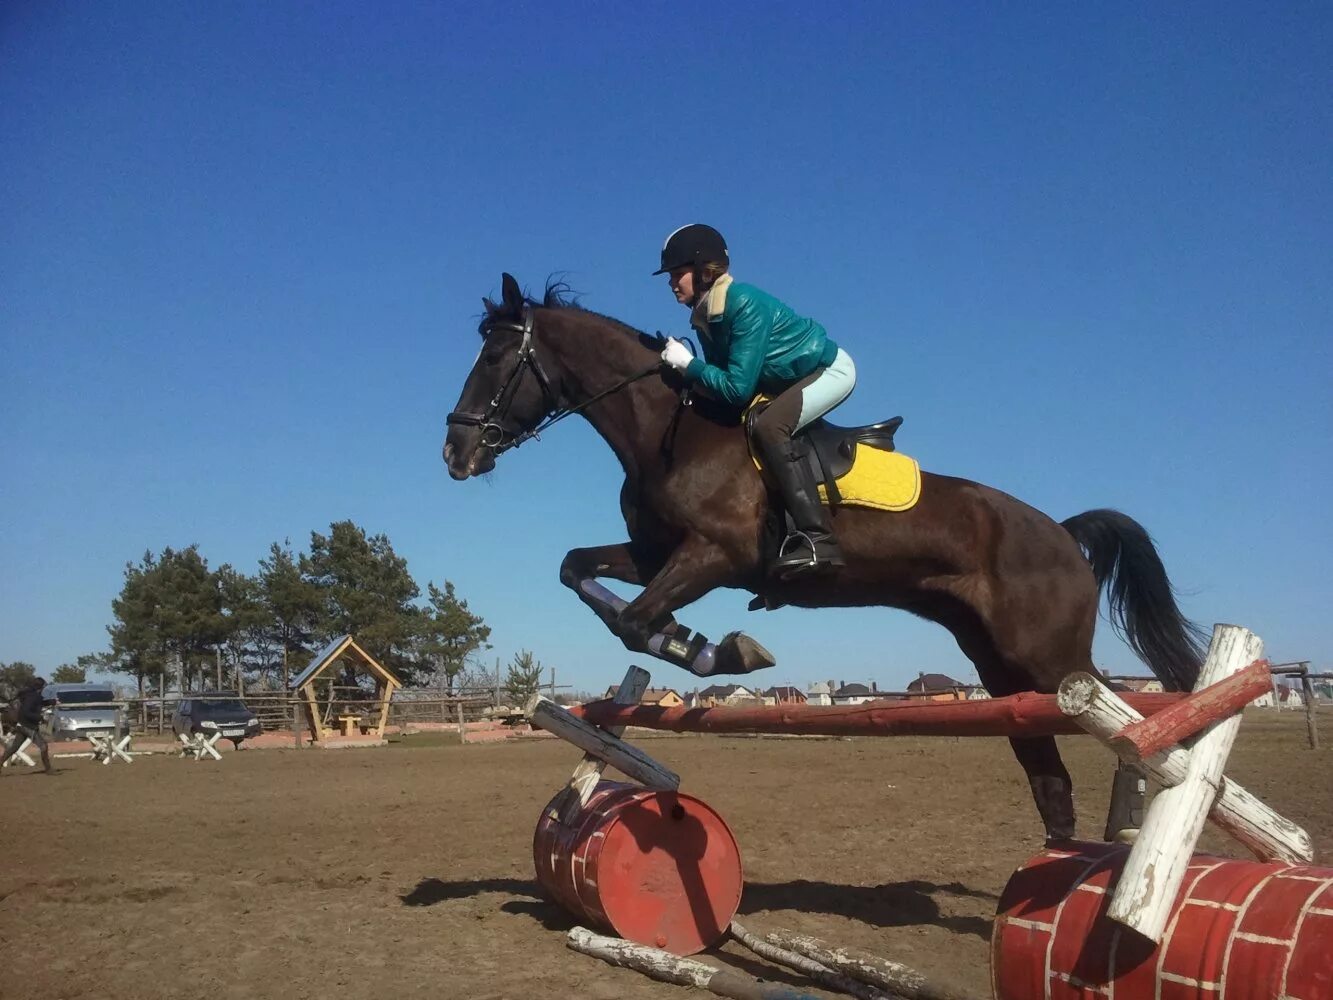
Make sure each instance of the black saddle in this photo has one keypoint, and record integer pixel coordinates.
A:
(834, 447)
(830, 449)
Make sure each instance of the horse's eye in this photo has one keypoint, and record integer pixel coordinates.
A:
(491, 355)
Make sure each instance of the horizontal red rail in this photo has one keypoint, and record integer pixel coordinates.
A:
(1027, 714)
(1194, 712)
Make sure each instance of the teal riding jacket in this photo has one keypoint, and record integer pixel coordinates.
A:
(753, 343)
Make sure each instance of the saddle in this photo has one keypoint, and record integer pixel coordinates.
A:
(830, 450)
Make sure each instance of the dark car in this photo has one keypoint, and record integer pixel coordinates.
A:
(215, 713)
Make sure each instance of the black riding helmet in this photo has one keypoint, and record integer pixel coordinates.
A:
(692, 245)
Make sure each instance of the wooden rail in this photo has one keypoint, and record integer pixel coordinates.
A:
(1026, 714)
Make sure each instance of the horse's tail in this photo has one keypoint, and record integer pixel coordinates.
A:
(1142, 603)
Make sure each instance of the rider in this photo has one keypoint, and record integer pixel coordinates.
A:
(753, 343)
(29, 722)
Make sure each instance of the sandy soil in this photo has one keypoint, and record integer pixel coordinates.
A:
(406, 871)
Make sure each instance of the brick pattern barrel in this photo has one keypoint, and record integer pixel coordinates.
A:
(1239, 930)
(658, 868)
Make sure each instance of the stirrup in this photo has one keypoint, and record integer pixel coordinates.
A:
(799, 537)
(791, 564)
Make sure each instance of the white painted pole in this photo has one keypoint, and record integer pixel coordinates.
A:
(589, 772)
(630, 760)
(1155, 868)
(1271, 837)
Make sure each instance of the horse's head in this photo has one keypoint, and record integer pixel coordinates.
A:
(506, 394)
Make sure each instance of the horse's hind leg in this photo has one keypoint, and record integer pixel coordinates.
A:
(1038, 650)
(1052, 789)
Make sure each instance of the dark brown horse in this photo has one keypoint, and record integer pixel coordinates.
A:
(1014, 588)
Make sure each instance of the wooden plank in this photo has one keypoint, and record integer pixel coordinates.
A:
(1311, 721)
(1156, 866)
(1193, 713)
(884, 974)
(589, 772)
(821, 974)
(668, 968)
(546, 714)
(385, 692)
(1027, 714)
(1103, 714)
(316, 726)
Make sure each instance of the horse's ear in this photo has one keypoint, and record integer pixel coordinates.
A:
(512, 294)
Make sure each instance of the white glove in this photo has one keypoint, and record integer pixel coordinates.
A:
(677, 355)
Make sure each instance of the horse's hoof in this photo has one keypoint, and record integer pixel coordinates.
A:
(737, 653)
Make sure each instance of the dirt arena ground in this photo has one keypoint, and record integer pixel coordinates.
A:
(406, 871)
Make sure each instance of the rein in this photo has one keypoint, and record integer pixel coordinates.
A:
(494, 434)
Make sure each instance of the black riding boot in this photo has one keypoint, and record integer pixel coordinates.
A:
(810, 548)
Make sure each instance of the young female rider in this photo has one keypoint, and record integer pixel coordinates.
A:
(753, 343)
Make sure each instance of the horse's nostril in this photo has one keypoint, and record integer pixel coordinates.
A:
(448, 452)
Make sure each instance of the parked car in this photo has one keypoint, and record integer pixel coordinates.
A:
(80, 709)
(212, 713)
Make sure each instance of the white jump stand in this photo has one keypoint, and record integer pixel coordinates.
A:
(1186, 755)
(21, 754)
(199, 746)
(107, 747)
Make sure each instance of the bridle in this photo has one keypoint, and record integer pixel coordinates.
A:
(494, 434)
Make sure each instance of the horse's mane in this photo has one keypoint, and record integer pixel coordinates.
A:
(558, 295)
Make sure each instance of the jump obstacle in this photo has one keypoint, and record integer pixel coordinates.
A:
(199, 746)
(662, 869)
(105, 747)
(8, 737)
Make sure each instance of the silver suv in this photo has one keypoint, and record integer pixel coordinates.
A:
(80, 709)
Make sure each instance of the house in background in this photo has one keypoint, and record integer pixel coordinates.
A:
(1281, 696)
(1265, 700)
(936, 687)
(722, 694)
(975, 692)
(661, 697)
(857, 694)
(1142, 685)
(820, 693)
(786, 695)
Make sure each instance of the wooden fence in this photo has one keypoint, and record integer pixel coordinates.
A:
(283, 712)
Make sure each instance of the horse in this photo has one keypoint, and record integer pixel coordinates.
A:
(1018, 591)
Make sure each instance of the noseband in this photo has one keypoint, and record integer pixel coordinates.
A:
(494, 434)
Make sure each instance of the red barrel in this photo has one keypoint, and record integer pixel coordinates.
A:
(657, 868)
(1243, 930)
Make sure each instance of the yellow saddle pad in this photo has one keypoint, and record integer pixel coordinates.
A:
(884, 480)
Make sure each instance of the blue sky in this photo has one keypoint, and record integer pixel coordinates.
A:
(1086, 253)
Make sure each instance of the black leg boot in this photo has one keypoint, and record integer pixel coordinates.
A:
(811, 548)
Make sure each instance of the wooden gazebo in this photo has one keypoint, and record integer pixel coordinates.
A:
(338, 650)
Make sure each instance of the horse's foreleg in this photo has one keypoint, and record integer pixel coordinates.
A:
(687, 575)
(581, 568)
